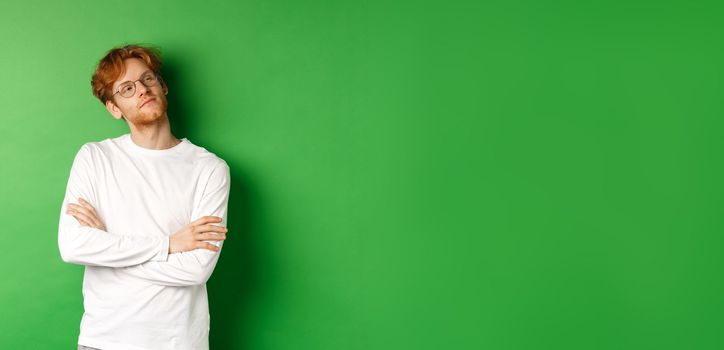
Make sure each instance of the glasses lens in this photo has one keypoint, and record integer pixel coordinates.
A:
(127, 90)
(149, 79)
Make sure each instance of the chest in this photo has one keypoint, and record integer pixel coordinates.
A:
(146, 198)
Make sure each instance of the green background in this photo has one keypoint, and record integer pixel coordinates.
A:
(405, 175)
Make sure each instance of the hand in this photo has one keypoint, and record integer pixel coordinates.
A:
(86, 214)
(194, 234)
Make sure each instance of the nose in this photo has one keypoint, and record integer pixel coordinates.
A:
(143, 88)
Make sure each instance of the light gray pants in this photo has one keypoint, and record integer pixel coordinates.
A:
(81, 347)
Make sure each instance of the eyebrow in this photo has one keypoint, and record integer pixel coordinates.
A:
(142, 74)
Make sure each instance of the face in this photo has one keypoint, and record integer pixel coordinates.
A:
(147, 105)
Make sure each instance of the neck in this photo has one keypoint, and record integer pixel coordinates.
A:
(156, 135)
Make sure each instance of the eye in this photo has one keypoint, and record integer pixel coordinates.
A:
(126, 88)
(149, 78)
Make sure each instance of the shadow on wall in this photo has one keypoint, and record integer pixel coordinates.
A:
(234, 286)
(179, 107)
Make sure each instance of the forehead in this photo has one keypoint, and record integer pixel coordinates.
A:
(134, 67)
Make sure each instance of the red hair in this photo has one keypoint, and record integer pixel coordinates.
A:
(111, 67)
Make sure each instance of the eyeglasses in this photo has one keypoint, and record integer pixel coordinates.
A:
(128, 88)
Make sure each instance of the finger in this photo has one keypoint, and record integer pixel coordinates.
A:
(87, 205)
(79, 208)
(83, 216)
(210, 228)
(209, 246)
(75, 217)
(90, 214)
(210, 237)
(205, 220)
(81, 221)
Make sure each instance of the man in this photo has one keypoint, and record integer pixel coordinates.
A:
(145, 213)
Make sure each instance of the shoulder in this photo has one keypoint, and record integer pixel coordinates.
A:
(208, 160)
(219, 169)
(87, 156)
(96, 148)
(88, 151)
(213, 170)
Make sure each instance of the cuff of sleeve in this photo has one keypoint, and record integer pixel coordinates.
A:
(163, 252)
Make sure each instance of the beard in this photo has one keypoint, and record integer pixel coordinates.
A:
(152, 114)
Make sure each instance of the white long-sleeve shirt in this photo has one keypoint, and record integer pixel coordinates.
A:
(136, 295)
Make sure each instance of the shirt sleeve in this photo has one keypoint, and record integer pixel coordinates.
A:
(90, 246)
(192, 267)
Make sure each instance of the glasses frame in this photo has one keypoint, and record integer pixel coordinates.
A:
(156, 77)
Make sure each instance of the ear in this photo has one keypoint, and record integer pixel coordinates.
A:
(164, 86)
(113, 109)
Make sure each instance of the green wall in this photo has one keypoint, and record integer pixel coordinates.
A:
(405, 175)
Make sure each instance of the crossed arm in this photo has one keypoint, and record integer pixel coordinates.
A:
(190, 237)
(170, 261)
